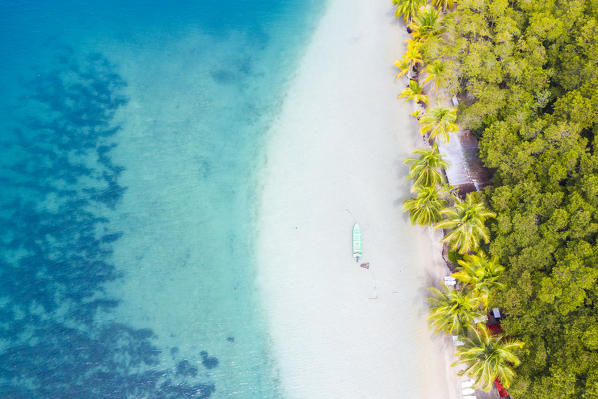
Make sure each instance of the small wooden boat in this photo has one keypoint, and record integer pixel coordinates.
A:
(356, 242)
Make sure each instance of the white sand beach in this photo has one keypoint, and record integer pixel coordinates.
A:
(334, 158)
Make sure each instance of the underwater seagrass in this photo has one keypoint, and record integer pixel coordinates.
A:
(55, 252)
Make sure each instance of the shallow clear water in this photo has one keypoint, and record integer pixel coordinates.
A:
(130, 140)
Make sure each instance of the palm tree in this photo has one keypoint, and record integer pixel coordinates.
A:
(466, 219)
(424, 170)
(439, 122)
(414, 92)
(403, 66)
(412, 54)
(443, 4)
(426, 24)
(425, 208)
(479, 274)
(452, 311)
(417, 113)
(488, 358)
(407, 8)
(434, 72)
(411, 58)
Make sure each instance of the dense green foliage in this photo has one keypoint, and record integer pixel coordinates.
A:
(527, 73)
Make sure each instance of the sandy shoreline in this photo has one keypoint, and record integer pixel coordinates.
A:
(334, 158)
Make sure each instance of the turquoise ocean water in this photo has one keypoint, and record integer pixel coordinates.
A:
(131, 136)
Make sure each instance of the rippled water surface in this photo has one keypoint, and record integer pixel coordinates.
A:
(130, 138)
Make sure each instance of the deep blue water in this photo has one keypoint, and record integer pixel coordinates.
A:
(130, 139)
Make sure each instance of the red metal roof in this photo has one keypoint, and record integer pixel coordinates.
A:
(502, 392)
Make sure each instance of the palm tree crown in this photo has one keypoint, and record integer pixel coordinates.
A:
(488, 358)
(425, 170)
(434, 71)
(411, 58)
(467, 220)
(480, 274)
(407, 8)
(439, 122)
(426, 24)
(403, 66)
(414, 92)
(452, 311)
(425, 208)
(443, 4)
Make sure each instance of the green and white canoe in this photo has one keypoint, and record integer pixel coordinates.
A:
(356, 242)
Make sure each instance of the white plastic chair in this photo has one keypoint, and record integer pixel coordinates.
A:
(467, 384)
(449, 280)
(456, 341)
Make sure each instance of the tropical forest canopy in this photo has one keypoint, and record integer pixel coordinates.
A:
(526, 72)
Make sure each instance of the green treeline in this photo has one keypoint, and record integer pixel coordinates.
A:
(527, 74)
(458, 309)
